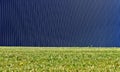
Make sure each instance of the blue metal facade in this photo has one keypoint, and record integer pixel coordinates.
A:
(59, 22)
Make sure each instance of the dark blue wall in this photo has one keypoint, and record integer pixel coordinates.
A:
(60, 22)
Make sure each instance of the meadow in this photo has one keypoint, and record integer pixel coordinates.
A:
(59, 59)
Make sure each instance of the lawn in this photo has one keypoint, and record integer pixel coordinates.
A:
(59, 59)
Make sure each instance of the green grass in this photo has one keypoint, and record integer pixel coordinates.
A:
(23, 59)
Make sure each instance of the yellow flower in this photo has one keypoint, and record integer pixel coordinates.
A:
(21, 63)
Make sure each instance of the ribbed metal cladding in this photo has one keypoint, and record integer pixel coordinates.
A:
(59, 23)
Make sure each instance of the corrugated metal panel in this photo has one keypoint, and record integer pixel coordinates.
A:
(59, 22)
